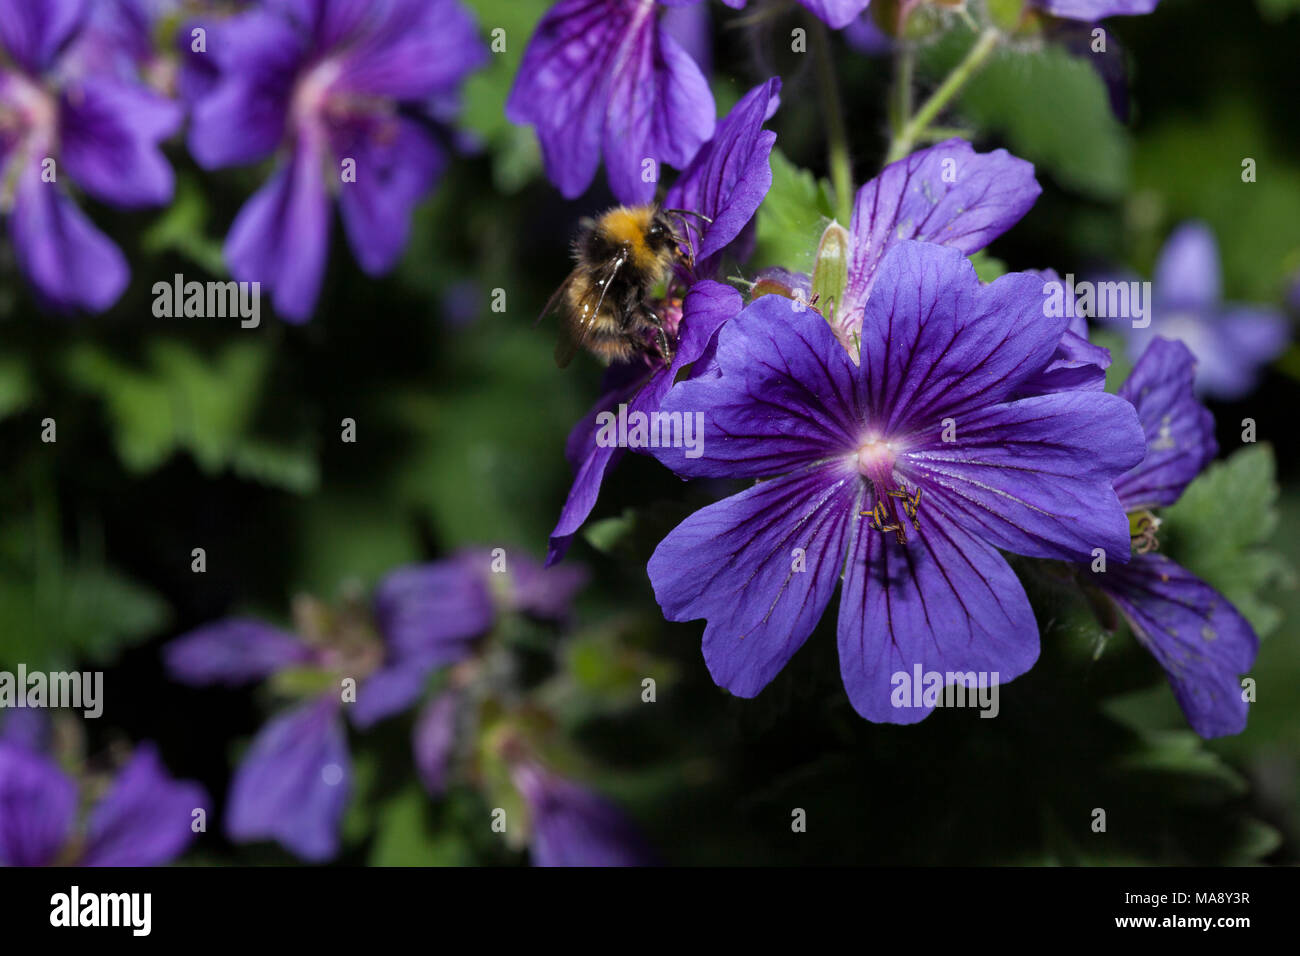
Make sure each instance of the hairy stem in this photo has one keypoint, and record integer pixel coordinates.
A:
(913, 128)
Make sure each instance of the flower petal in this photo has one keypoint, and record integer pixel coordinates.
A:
(1034, 476)
(1198, 637)
(233, 652)
(434, 740)
(431, 612)
(397, 163)
(760, 566)
(242, 118)
(945, 602)
(281, 236)
(572, 826)
(38, 802)
(1187, 272)
(71, 264)
(785, 395)
(294, 782)
(146, 817)
(109, 134)
(1179, 429)
(35, 33)
(947, 194)
(1092, 10)
(935, 343)
(836, 13)
(660, 108)
(729, 178)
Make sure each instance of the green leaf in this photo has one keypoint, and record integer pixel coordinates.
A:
(184, 401)
(182, 230)
(1218, 528)
(792, 217)
(16, 386)
(1053, 109)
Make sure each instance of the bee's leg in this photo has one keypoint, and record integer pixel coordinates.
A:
(665, 349)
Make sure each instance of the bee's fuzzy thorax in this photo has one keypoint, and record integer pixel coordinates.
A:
(628, 224)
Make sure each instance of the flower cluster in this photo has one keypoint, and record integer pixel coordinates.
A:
(375, 662)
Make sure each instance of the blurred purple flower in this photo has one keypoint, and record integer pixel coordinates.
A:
(1231, 342)
(858, 466)
(62, 121)
(1198, 637)
(727, 182)
(293, 784)
(1091, 10)
(834, 13)
(608, 77)
(326, 84)
(144, 819)
(573, 826)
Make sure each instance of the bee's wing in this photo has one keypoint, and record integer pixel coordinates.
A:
(556, 298)
(579, 327)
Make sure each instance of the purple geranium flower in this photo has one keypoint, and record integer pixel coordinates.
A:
(915, 467)
(61, 123)
(834, 13)
(293, 785)
(144, 819)
(1230, 342)
(726, 182)
(573, 826)
(347, 92)
(1198, 637)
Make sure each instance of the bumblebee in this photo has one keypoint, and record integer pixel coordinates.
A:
(620, 258)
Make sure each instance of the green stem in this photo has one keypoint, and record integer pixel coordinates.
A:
(952, 84)
(904, 61)
(837, 139)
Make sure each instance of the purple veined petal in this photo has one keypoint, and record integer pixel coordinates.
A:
(71, 264)
(243, 117)
(146, 818)
(34, 33)
(660, 107)
(836, 13)
(294, 782)
(281, 236)
(429, 611)
(707, 306)
(1033, 476)
(38, 803)
(946, 602)
(397, 164)
(233, 652)
(434, 740)
(562, 87)
(1091, 10)
(1077, 362)
(729, 177)
(761, 567)
(109, 136)
(1179, 429)
(1187, 272)
(1198, 637)
(573, 826)
(414, 50)
(328, 22)
(935, 343)
(787, 395)
(947, 194)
